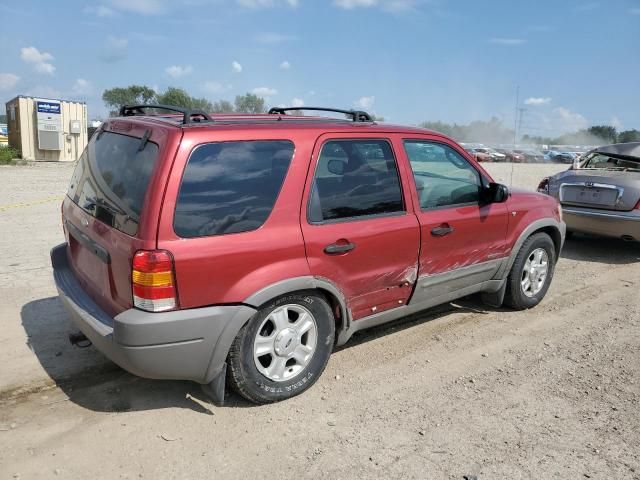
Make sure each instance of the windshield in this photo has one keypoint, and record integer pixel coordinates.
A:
(111, 179)
(607, 162)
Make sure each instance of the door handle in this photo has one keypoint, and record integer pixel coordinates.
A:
(336, 248)
(442, 230)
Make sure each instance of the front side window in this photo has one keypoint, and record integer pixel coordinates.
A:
(355, 178)
(230, 187)
(443, 177)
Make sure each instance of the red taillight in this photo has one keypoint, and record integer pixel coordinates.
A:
(153, 281)
(637, 207)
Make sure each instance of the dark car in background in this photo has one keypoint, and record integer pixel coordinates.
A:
(512, 156)
(601, 195)
(531, 156)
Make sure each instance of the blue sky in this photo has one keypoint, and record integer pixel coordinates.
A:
(576, 62)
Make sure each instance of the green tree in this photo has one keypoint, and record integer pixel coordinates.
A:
(222, 106)
(606, 132)
(629, 136)
(180, 98)
(249, 103)
(115, 98)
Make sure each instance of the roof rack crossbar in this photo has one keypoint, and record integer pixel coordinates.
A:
(356, 115)
(187, 114)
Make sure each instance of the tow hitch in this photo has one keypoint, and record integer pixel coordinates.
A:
(79, 340)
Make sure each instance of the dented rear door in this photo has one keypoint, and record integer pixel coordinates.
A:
(358, 232)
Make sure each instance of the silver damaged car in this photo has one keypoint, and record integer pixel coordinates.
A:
(601, 193)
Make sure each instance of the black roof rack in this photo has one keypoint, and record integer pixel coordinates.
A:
(188, 116)
(357, 115)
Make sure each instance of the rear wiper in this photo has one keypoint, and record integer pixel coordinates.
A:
(93, 202)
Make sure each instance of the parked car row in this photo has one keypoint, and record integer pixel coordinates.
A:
(483, 153)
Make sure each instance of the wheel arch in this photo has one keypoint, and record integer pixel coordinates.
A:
(556, 230)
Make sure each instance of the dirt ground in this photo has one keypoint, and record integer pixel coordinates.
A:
(461, 390)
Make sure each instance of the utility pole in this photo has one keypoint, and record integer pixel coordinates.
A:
(515, 117)
(521, 111)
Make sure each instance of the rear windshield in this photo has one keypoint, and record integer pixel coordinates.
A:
(609, 162)
(111, 179)
(230, 187)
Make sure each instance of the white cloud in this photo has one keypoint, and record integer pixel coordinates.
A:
(264, 91)
(266, 3)
(143, 7)
(177, 71)
(100, 11)
(214, 87)
(8, 81)
(351, 4)
(236, 67)
(507, 41)
(537, 101)
(390, 5)
(82, 87)
(365, 102)
(567, 121)
(285, 65)
(39, 60)
(297, 102)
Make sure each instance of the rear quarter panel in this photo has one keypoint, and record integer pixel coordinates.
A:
(230, 268)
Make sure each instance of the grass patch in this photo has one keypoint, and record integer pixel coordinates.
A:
(8, 155)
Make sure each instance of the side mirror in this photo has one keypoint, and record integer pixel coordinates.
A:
(336, 167)
(496, 193)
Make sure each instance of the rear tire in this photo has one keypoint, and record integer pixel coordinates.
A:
(283, 349)
(531, 273)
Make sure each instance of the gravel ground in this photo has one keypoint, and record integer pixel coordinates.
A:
(463, 389)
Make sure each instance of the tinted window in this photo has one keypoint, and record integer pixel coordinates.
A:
(230, 187)
(443, 177)
(111, 179)
(355, 178)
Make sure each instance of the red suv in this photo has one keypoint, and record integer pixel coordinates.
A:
(243, 248)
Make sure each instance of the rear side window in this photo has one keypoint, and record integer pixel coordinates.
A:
(111, 179)
(355, 178)
(230, 187)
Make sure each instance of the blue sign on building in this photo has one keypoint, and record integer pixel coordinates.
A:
(48, 107)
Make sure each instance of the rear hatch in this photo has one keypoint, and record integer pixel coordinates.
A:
(597, 188)
(111, 209)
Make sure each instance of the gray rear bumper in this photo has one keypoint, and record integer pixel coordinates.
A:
(180, 345)
(608, 223)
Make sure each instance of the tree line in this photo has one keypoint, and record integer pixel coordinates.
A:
(480, 131)
(114, 98)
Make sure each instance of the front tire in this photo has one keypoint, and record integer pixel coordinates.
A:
(531, 273)
(283, 349)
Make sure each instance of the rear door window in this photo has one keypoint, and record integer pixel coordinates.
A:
(230, 187)
(355, 178)
(111, 179)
